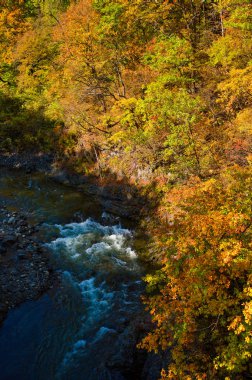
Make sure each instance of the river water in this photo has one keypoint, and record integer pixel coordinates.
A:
(76, 330)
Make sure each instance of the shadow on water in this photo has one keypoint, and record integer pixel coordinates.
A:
(43, 199)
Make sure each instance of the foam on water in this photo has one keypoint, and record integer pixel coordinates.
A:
(80, 344)
(98, 248)
(91, 240)
(101, 332)
(77, 349)
(131, 252)
(93, 254)
(97, 299)
(90, 226)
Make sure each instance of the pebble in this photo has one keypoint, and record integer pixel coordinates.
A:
(23, 267)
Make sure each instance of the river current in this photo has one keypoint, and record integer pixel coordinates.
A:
(75, 330)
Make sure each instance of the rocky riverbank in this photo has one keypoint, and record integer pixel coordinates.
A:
(25, 270)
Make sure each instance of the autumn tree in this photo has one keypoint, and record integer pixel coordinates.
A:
(202, 304)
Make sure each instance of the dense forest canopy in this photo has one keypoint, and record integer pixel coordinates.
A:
(158, 92)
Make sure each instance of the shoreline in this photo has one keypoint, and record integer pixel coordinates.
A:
(26, 272)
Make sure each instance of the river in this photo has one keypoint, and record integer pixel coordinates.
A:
(84, 327)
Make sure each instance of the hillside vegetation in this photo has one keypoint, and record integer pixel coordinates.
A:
(158, 92)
